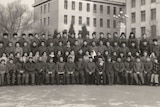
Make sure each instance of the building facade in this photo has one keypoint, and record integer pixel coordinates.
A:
(143, 17)
(97, 15)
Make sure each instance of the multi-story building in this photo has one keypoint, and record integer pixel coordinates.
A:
(143, 17)
(97, 15)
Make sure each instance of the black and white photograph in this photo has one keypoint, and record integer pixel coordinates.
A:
(79, 53)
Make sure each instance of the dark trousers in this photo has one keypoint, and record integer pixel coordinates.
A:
(128, 78)
(70, 78)
(119, 77)
(10, 78)
(2, 79)
(77, 77)
(50, 78)
(147, 78)
(40, 77)
(20, 78)
(90, 78)
(100, 78)
(60, 79)
(82, 77)
(110, 76)
(30, 78)
(139, 78)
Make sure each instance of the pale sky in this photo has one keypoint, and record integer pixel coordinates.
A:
(27, 2)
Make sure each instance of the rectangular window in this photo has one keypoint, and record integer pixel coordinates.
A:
(66, 4)
(73, 19)
(133, 30)
(153, 1)
(108, 23)
(133, 16)
(120, 9)
(94, 22)
(80, 20)
(45, 9)
(114, 11)
(153, 14)
(101, 9)
(88, 7)
(143, 30)
(41, 21)
(143, 2)
(114, 24)
(48, 21)
(65, 19)
(88, 21)
(153, 30)
(73, 5)
(41, 9)
(80, 6)
(44, 21)
(143, 16)
(95, 8)
(101, 22)
(108, 9)
(133, 3)
(48, 7)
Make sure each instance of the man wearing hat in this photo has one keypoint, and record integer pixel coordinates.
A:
(11, 72)
(70, 71)
(30, 68)
(155, 48)
(5, 40)
(138, 68)
(118, 70)
(90, 69)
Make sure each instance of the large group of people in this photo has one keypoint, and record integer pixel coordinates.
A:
(39, 59)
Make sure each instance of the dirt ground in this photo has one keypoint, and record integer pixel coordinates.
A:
(80, 96)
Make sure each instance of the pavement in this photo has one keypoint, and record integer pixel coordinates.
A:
(80, 96)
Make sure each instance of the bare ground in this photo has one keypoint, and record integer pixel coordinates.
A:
(80, 96)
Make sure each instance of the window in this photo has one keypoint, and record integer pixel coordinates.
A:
(143, 2)
(65, 19)
(48, 21)
(45, 9)
(153, 1)
(95, 8)
(44, 21)
(120, 9)
(133, 30)
(65, 4)
(101, 9)
(80, 20)
(133, 16)
(143, 30)
(41, 21)
(41, 9)
(153, 14)
(133, 3)
(73, 5)
(114, 11)
(108, 9)
(101, 22)
(48, 7)
(88, 7)
(114, 24)
(94, 22)
(80, 6)
(108, 23)
(88, 21)
(153, 30)
(143, 16)
(73, 19)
